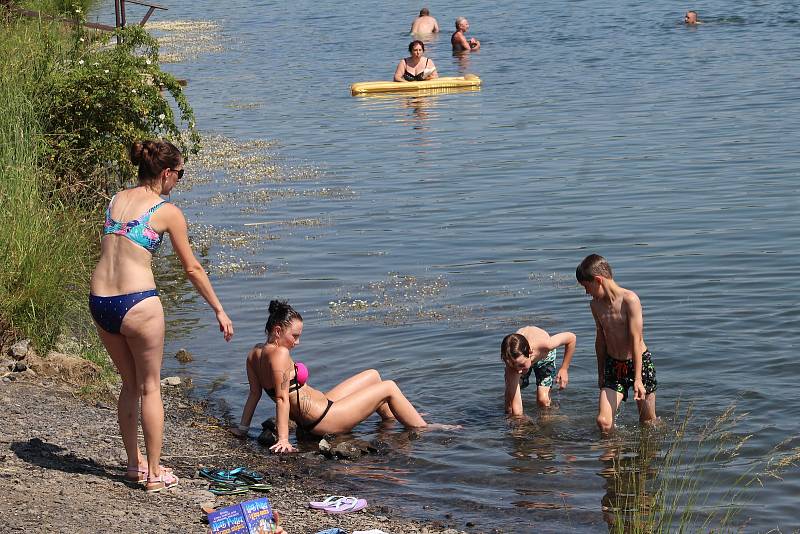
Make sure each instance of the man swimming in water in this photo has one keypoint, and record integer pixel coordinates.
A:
(691, 18)
(425, 23)
(459, 40)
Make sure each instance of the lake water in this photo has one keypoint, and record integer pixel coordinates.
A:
(413, 233)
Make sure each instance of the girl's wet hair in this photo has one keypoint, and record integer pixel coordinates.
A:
(591, 266)
(412, 44)
(152, 157)
(280, 314)
(514, 346)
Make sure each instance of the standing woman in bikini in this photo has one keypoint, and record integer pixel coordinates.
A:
(125, 304)
(417, 67)
(270, 367)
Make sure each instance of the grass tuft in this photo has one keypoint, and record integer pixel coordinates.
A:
(44, 246)
(662, 485)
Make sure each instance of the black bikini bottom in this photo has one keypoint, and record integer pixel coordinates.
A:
(310, 426)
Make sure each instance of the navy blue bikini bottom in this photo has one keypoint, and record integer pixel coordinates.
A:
(109, 312)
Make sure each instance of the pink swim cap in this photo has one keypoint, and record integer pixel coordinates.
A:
(302, 373)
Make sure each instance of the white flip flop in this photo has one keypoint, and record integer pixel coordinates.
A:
(327, 501)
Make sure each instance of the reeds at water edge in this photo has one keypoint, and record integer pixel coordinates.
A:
(681, 478)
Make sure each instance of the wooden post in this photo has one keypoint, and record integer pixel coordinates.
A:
(118, 18)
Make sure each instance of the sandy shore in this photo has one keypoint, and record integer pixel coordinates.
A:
(62, 467)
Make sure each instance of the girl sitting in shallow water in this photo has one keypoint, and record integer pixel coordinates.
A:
(270, 367)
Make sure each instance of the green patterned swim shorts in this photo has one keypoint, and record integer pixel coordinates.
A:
(544, 370)
(619, 376)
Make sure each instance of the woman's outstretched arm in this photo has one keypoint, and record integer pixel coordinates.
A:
(179, 236)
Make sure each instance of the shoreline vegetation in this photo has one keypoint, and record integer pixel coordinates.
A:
(70, 105)
(654, 484)
(69, 108)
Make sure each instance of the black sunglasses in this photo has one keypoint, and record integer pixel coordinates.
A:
(180, 173)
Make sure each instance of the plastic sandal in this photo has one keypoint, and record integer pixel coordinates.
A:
(136, 475)
(217, 475)
(327, 501)
(163, 481)
(237, 487)
(347, 505)
(227, 489)
(246, 475)
(140, 474)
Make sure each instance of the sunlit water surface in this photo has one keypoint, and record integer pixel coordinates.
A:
(413, 233)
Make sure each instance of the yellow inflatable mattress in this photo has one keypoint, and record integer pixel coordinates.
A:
(364, 88)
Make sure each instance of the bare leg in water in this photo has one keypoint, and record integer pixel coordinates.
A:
(357, 383)
(350, 410)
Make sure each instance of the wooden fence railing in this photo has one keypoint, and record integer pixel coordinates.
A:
(120, 12)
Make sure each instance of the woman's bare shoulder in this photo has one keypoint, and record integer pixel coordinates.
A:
(275, 355)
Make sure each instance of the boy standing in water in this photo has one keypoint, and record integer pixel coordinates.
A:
(623, 360)
(532, 350)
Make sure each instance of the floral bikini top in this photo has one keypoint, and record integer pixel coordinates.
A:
(137, 230)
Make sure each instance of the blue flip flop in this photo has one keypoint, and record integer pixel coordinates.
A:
(217, 475)
(247, 475)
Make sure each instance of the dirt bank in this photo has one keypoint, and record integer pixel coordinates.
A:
(62, 467)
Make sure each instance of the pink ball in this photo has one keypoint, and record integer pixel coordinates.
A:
(302, 373)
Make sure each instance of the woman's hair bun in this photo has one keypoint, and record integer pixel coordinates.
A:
(275, 305)
(137, 149)
(152, 157)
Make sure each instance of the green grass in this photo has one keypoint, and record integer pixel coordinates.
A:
(685, 479)
(67, 116)
(46, 247)
(56, 7)
(98, 355)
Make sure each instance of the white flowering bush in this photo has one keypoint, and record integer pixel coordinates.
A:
(101, 98)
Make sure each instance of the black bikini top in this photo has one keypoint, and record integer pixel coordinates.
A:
(414, 77)
(293, 386)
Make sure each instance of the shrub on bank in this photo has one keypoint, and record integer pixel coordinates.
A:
(69, 107)
(100, 99)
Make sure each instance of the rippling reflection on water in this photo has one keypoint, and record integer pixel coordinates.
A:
(599, 127)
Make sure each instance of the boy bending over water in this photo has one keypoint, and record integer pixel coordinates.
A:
(623, 360)
(532, 350)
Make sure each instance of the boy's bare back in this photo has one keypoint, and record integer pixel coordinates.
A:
(538, 340)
